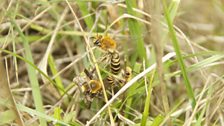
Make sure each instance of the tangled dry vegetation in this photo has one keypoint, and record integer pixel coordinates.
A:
(45, 44)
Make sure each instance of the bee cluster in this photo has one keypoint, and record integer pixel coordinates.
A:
(117, 77)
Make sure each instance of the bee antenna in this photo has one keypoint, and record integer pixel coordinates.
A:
(88, 74)
(94, 69)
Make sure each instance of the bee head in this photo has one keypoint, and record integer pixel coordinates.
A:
(128, 70)
(98, 40)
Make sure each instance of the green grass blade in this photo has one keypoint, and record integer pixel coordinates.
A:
(202, 64)
(58, 82)
(54, 71)
(84, 10)
(31, 73)
(207, 61)
(199, 121)
(135, 30)
(136, 34)
(133, 90)
(57, 114)
(41, 115)
(189, 89)
(158, 120)
(7, 117)
(173, 7)
(147, 102)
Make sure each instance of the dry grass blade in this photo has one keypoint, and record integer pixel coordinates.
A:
(154, 8)
(126, 16)
(189, 121)
(43, 63)
(125, 120)
(6, 97)
(36, 17)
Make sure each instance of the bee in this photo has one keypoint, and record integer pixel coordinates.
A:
(80, 80)
(112, 56)
(127, 74)
(106, 43)
(87, 84)
(90, 88)
(115, 83)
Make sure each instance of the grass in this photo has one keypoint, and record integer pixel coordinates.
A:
(147, 103)
(179, 56)
(54, 71)
(40, 114)
(135, 30)
(185, 89)
(31, 73)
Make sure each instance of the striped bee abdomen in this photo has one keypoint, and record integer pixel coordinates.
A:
(115, 63)
(110, 80)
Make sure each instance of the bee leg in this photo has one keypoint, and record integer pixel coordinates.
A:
(105, 58)
(121, 82)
